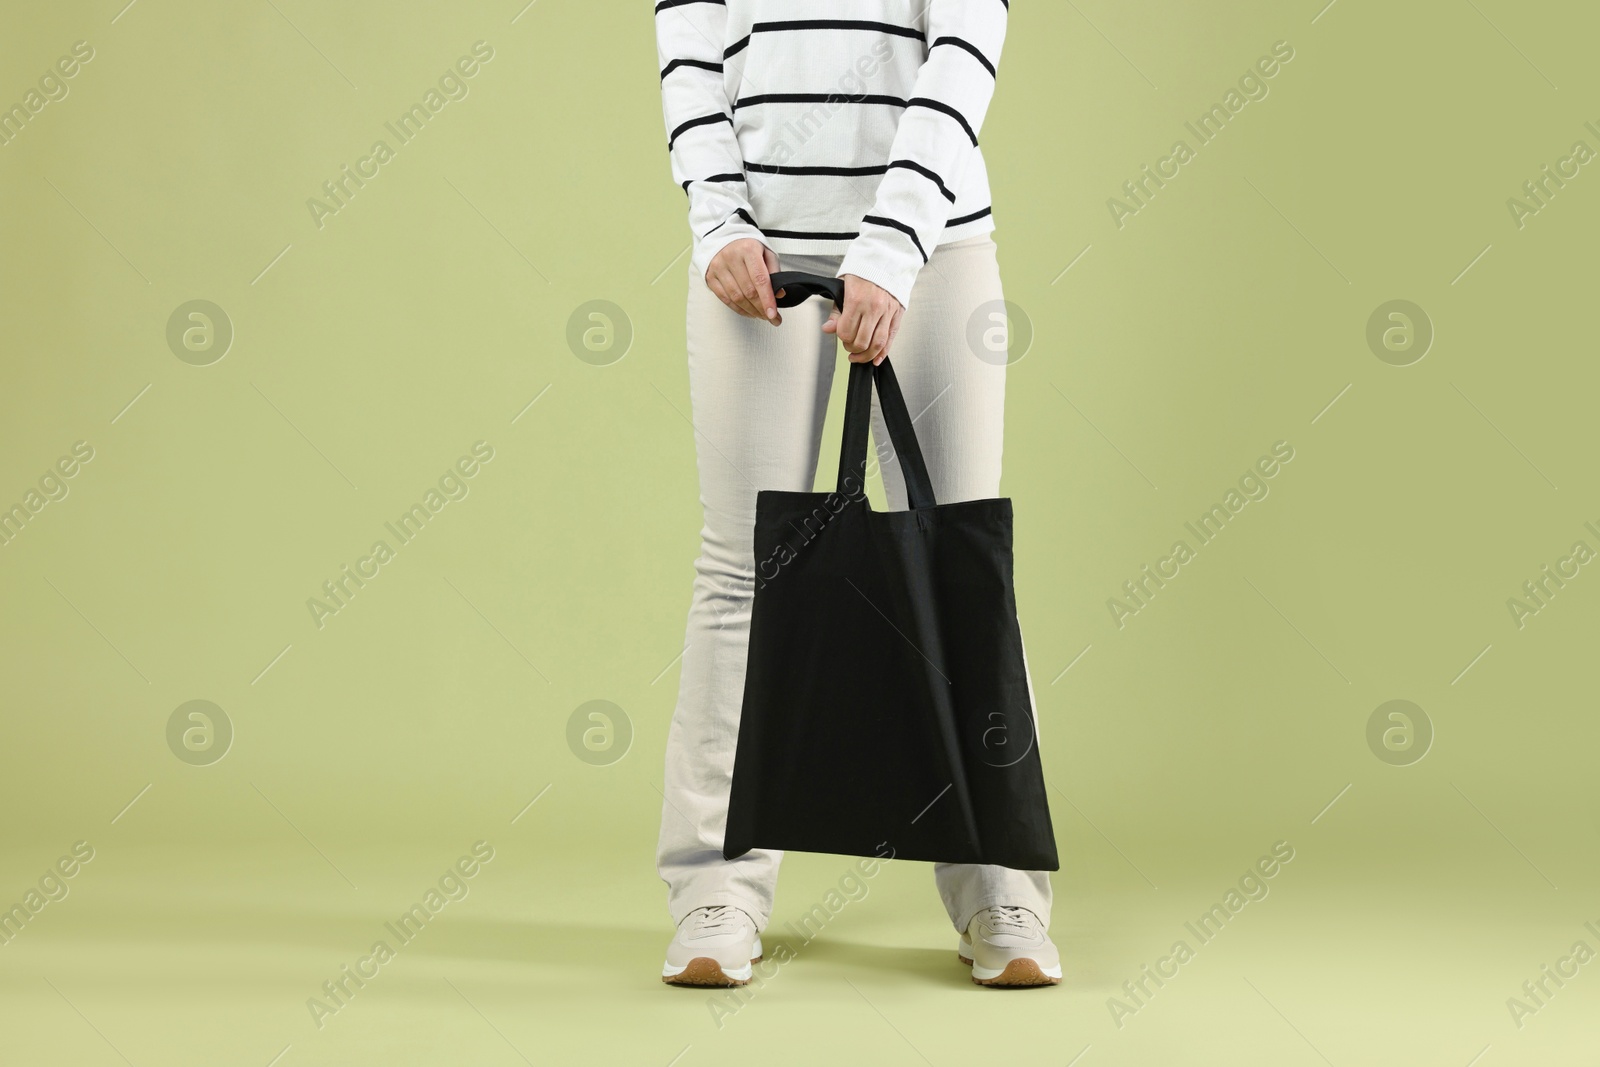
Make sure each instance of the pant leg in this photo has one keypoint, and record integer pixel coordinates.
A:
(958, 403)
(759, 397)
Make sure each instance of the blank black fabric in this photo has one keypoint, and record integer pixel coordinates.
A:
(886, 707)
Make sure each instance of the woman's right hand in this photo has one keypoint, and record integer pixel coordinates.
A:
(741, 276)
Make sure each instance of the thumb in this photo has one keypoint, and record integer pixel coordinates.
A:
(770, 258)
(832, 325)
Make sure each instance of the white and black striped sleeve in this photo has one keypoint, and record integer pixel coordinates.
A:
(706, 160)
(933, 142)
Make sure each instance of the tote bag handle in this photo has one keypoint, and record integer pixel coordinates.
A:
(799, 286)
(857, 419)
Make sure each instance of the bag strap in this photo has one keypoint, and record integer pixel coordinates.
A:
(798, 286)
(857, 420)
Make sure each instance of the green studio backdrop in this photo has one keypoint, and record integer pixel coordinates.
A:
(243, 346)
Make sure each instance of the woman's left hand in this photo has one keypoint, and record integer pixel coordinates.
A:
(868, 323)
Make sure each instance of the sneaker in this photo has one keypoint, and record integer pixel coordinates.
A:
(1008, 946)
(713, 947)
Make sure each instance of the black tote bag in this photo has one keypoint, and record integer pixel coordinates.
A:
(886, 707)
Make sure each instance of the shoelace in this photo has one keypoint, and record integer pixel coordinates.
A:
(1005, 917)
(718, 919)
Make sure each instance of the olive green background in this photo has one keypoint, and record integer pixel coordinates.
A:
(369, 354)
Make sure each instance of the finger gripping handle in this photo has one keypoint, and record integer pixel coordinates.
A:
(799, 286)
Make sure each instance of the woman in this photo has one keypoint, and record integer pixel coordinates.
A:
(843, 137)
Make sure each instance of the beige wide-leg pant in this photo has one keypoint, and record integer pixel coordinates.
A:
(759, 396)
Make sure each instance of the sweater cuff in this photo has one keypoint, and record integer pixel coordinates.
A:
(706, 249)
(870, 257)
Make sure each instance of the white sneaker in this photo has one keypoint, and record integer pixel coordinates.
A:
(713, 947)
(1008, 946)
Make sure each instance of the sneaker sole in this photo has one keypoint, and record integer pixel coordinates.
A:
(704, 971)
(1018, 974)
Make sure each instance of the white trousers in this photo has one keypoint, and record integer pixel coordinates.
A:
(759, 396)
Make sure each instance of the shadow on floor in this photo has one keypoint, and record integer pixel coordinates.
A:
(931, 966)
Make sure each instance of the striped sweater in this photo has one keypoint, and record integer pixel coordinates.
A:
(831, 127)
